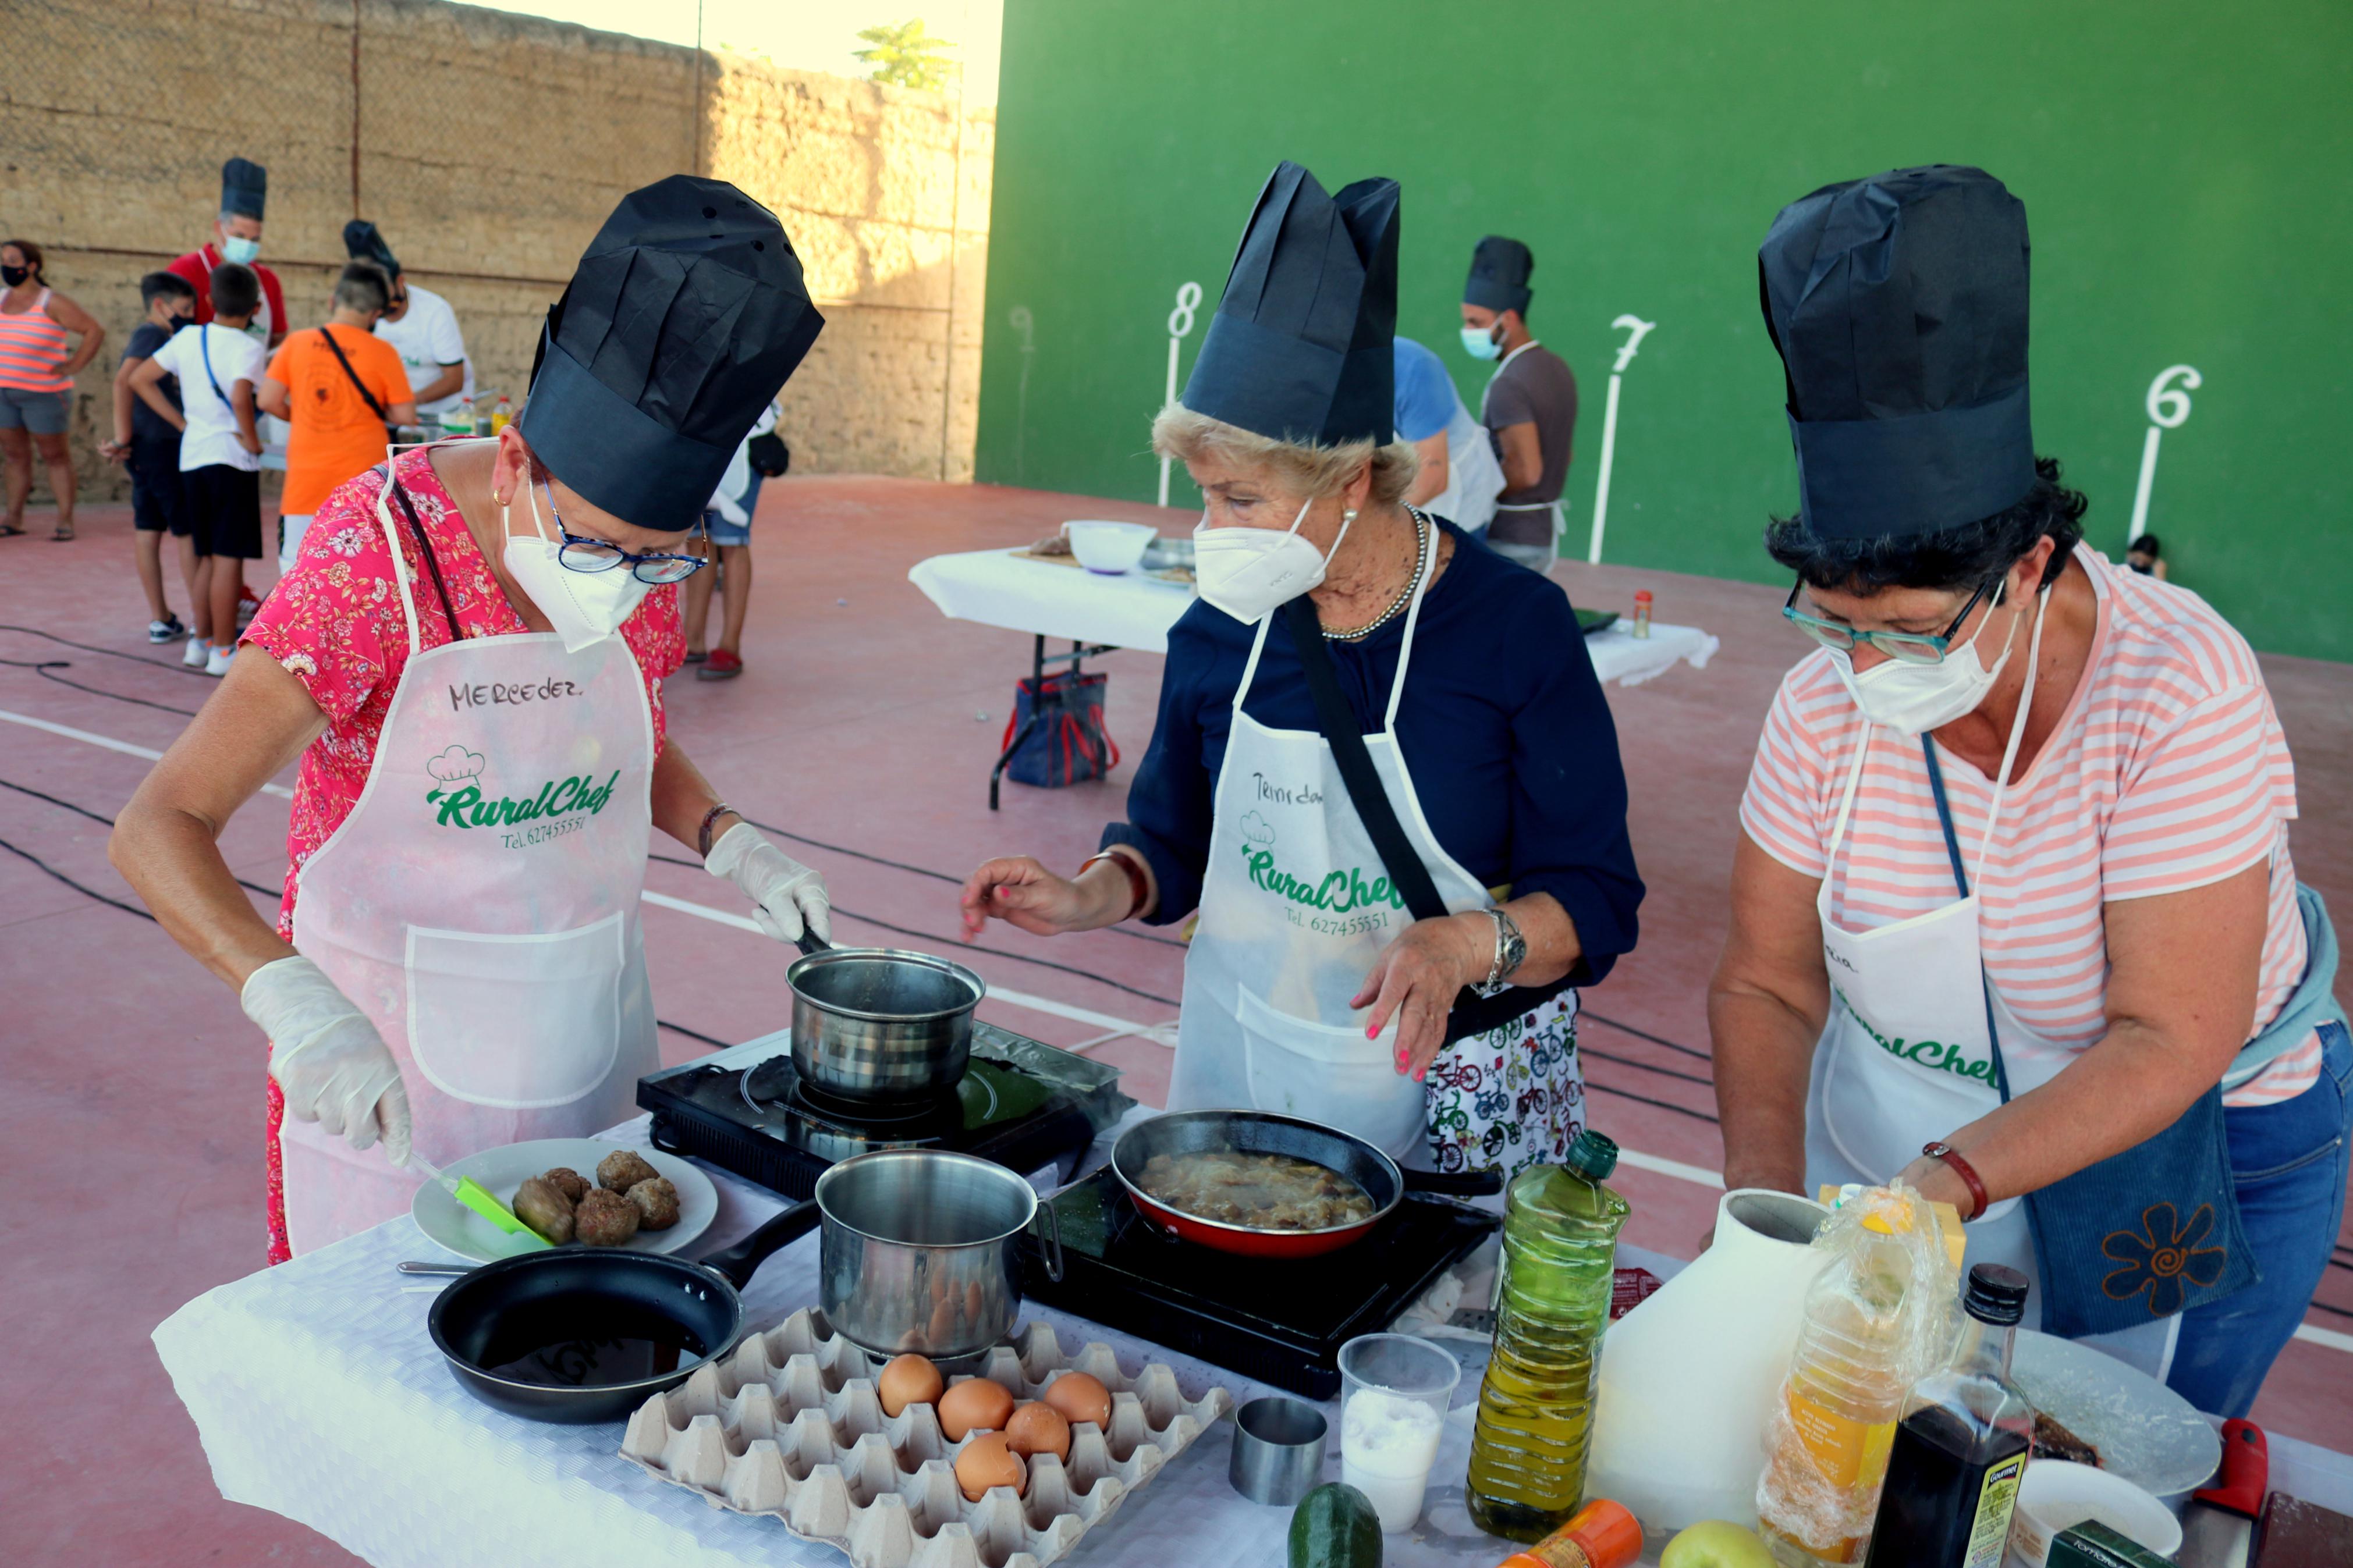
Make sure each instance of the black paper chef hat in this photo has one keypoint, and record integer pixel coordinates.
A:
(686, 315)
(245, 187)
(1898, 304)
(363, 243)
(1300, 348)
(1499, 275)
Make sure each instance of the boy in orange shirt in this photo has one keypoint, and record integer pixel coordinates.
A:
(338, 387)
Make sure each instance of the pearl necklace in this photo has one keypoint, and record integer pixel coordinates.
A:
(1422, 533)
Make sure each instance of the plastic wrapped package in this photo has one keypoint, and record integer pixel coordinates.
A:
(1879, 1317)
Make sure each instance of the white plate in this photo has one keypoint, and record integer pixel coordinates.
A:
(2145, 1432)
(469, 1234)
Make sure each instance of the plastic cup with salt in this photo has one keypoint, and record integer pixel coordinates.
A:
(1394, 1390)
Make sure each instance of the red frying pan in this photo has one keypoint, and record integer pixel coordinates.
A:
(1265, 1132)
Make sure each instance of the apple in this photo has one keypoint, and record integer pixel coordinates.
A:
(1715, 1543)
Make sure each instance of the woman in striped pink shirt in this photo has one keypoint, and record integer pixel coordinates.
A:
(2014, 915)
(37, 372)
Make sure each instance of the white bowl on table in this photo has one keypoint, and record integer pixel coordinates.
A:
(1111, 548)
(2057, 1494)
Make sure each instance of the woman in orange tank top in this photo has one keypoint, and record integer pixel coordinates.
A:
(36, 374)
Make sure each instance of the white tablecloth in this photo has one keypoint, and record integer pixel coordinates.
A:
(1003, 588)
(319, 1395)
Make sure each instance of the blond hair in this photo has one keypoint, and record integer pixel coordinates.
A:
(1304, 466)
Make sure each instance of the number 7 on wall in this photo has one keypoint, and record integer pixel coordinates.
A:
(1638, 329)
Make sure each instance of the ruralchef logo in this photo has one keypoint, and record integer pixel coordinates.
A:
(1337, 893)
(463, 803)
(1939, 1056)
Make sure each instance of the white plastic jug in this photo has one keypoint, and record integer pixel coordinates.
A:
(1689, 1377)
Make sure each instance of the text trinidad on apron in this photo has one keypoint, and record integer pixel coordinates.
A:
(480, 905)
(1295, 906)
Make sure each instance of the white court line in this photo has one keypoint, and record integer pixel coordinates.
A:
(125, 747)
(996, 993)
(1697, 1175)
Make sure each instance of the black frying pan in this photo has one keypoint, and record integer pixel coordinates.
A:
(580, 1334)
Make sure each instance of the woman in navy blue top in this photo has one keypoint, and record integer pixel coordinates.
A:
(1310, 988)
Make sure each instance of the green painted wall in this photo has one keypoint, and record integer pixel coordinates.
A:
(2188, 172)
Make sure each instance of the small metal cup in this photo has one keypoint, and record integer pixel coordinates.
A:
(1278, 1450)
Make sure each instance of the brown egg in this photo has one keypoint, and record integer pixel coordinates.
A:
(1079, 1397)
(987, 1461)
(908, 1380)
(976, 1405)
(1035, 1428)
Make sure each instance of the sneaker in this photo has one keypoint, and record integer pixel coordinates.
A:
(198, 651)
(217, 662)
(247, 604)
(722, 665)
(168, 630)
(694, 658)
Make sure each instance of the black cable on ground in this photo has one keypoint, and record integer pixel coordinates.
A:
(1642, 1034)
(2340, 1311)
(960, 946)
(77, 886)
(1584, 1049)
(1646, 1099)
(690, 1033)
(110, 652)
(46, 669)
(100, 816)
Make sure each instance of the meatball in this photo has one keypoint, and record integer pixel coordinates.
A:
(539, 1204)
(605, 1218)
(656, 1203)
(624, 1169)
(567, 1180)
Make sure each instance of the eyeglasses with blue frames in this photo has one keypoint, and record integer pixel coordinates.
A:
(1904, 647)
(582, 554)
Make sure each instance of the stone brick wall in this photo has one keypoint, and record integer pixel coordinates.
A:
(490, 146)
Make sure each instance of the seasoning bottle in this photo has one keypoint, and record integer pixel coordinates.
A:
(502, 416)
(1641, 612)
(1535, 1407)
(1602, 1534)
(1961, 1446)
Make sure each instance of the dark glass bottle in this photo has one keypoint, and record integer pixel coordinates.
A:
(1960, 1448)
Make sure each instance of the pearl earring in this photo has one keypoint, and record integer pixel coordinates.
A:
(1347, 515)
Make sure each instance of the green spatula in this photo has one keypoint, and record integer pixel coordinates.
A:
(481, 1200)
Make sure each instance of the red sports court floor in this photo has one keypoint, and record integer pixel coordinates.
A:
(131, 1088)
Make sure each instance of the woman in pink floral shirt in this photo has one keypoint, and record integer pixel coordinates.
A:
(458, 962)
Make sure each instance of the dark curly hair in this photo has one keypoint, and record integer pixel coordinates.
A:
(1960, 557)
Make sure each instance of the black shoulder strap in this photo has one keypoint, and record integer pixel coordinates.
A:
(204, 347)
(1962, 880)
(357, 385)
(432, 562)
(1471, 1013)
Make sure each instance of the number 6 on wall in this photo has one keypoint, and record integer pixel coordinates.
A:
(2168, 408)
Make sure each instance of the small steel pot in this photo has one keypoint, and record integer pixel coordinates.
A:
(921, 1250)
(876, 1023)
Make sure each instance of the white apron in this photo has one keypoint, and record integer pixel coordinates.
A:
(1473, 478)
(1907, 1058)
(480, 905)
(1295, 906)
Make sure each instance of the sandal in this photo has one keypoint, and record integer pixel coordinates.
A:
(724, 665)
(64, 535)
(10, 530)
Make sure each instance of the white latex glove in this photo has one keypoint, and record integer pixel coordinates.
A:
(327, 1056)
(788, 896)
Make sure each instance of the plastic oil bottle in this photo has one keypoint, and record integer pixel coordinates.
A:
(1960, 1449)
(1858, 1349)
(1535, 1407)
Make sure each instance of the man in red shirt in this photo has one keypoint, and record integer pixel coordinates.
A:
(237, 236)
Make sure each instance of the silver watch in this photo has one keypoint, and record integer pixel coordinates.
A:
(1511, 952)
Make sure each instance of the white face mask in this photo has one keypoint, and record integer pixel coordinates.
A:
(1914, 699)
(1248, 572)
(583, 606)
(1480, 342)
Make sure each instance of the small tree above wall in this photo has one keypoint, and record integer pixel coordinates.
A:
(903, 55)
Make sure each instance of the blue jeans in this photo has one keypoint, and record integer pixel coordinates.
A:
(2288, 1165)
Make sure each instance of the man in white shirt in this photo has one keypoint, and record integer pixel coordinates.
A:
(217, 365)
(420, 324)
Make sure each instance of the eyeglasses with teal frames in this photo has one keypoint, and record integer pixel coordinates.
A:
(1904, 647)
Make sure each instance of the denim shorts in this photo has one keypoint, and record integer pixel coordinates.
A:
(2288, 1165)
(719, 531)
(42, 413)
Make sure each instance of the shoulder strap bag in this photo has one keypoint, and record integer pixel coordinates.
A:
(357, 385)
(1471, 1013)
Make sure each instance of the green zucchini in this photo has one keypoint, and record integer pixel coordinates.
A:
(1334, 1527)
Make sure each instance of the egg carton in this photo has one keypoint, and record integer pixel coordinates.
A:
(790, 1426)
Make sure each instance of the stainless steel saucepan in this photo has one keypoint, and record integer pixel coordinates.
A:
(876, 1024)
